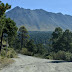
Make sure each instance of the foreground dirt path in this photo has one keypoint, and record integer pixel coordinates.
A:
(32, 64)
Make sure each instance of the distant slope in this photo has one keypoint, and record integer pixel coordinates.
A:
(39, 19)
(40, 37)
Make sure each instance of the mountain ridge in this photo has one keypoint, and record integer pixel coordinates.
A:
(39, 19)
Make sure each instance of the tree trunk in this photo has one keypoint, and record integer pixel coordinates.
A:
(0, 49)
(1, 43)
(21, 41)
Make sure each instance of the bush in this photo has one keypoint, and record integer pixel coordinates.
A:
(50, 56)
(26, 52)
(68, 56)
(10, 53)
(3, 53)
(60, 55)
(39, 55)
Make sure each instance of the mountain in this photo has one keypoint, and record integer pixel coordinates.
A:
(39, 19)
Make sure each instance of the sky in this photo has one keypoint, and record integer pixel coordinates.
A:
(56, 6)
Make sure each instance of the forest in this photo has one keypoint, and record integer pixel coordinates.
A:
(40, 37)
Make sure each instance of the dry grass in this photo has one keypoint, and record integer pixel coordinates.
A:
(6, 59)
(5, 62)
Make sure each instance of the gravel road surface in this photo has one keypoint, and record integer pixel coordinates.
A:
(32, 64)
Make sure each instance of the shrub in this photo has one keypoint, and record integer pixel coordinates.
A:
(26, 52)
(60, 55)
(68, 56)
(3, 53)
(11, 53)
(39, 55)
(49, 57)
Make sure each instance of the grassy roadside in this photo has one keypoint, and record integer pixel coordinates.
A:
(5, 62)
(6, 58)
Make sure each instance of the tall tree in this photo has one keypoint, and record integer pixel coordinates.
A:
(65, 41)
(40, 49)
(62, 41)
(56, 35)
(23, 36)
(3, 8)
(9, 28)
(31, 46)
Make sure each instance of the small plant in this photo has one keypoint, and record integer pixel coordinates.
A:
(26, 52)
(68, 56)
(11, 53)
(3, 53)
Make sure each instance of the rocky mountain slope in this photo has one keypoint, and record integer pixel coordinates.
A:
(39, 19)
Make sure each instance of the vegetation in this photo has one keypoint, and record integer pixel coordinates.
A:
(61, 42)
(23, 36)
(51, 45)
(58, 45)
(8, 31)
(40, 37)
(21, 39)
(3, 9)
(5, 62)
(9, 54)
(7, 26)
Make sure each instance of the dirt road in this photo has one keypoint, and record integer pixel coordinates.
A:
(32, 64)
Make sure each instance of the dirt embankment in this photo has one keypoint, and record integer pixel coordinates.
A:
(32, 64)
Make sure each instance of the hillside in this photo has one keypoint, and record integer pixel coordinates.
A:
(40, 37)
(39, 19)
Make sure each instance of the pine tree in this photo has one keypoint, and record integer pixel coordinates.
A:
(23, 36)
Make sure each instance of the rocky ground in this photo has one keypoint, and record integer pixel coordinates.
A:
(31, 64)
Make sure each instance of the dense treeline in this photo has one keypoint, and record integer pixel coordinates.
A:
(62, 40)
(23, 44)
(61, 45)
(40, 37)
